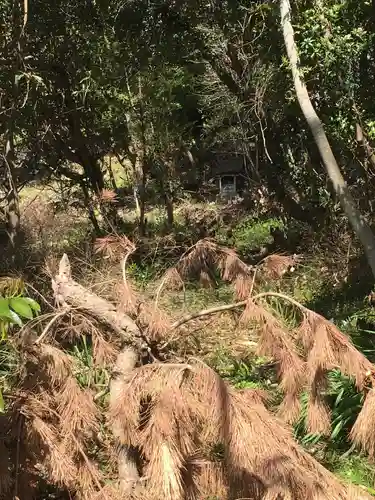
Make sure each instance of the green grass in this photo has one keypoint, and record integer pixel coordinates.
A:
(354, 469)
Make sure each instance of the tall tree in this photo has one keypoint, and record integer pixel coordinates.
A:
(359, 225)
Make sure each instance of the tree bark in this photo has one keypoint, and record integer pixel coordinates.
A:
(69, 292)
(111, 174)
(90, 208)
(142, 175)
(362, 140)
(15, 48)
(359, 225)
(169, 208)
(13, 205)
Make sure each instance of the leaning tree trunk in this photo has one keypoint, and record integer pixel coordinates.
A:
(359, 225)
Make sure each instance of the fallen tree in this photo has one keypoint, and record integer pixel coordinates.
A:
(70, 293)
(169, 417)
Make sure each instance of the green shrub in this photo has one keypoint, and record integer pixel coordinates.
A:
(251, 233)
(15, 308)
(345, 403)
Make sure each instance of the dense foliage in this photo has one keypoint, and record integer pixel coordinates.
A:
(157, 84)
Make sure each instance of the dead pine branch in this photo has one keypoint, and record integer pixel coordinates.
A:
(324, 348)
(70, 293)
(191, 407)
(230, 307)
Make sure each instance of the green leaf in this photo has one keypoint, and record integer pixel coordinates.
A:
(14, 318)
(4, 326)
(21, 307)
(4, 308)
(2, 405)
(339, 396)
(33, 304)
(337, 429)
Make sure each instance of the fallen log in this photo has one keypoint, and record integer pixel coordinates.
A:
(69, 293)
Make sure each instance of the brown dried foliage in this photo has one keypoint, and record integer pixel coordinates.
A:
(275, 341)
(363, 431)
(104, 352)
(60, 419)
(173, 280)
(77, 409)
(112, 246)
(206, 280)
(275, 266)
(303, 360)
(318, 412)
(242, 285)
(206, 256)
(55, 363)
(328, 348)
(108, 196)
(58, 460)
(265, 449)
(127, 298)
(187, 409)
(156, 322)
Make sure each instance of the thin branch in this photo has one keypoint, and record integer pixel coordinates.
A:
(253, 282)
(48, 326)
(159, 290)
(235, 305)
(25, 14)
(29, 285)
(207, 312)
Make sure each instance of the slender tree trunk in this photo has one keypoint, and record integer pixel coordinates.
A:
(142, 211)
(169, 208)
(13, 206)
(362, 140)
(15, 48)
(90, 208)
(89, 162)
(142, 176)
(111, 175)
(359, 225)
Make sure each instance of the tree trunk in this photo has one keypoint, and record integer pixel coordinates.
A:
(359, 225)
(169, 207)
(111, 175)
(142, 210)
(85, 158)
(144, 162)
(15, 49)
(362, 140)
(13, 206)
(68, 292)
(90, 208)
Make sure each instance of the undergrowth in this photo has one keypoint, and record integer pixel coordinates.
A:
(309, 283)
